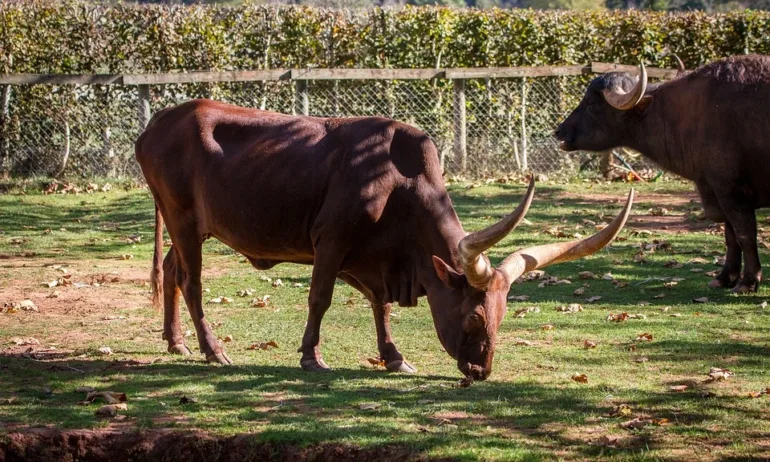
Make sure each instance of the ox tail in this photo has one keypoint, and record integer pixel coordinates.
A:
(156, 275)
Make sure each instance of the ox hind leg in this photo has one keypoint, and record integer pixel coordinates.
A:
(188, 277)
(731, 271)
(744, 224)
(394, 360)
(172, 325)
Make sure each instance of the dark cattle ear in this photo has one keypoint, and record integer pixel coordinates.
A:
(641, 106)
(447, 274)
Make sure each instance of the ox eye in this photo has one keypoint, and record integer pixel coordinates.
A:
(474, 321)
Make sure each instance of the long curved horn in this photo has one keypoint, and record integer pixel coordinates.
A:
(680, 69)
(619, 99)
(475, 264)
(541, 256)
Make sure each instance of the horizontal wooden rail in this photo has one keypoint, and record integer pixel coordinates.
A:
(325, 74)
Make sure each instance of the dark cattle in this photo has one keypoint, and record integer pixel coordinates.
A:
(361, 199)
(710, 126)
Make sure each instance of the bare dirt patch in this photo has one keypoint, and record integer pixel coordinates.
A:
(109, 445)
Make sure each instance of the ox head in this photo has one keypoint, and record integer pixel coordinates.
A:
(601, 119)
(478, 295)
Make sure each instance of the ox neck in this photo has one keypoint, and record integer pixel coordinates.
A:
(655, 135)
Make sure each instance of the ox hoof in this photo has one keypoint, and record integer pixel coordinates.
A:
(314, 365)
(745, 288)
(400, 366)
(179, 349)
(220, 358)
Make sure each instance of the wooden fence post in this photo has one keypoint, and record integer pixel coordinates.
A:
(144, 106)
(302, 101)
(460, 127)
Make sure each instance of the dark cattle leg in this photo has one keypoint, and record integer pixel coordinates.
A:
(731, 271)
(394, 361)
(744, 224)
(325, 268)
(172, 326)
(188, 263)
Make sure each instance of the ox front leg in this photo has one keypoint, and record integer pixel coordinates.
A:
(744, 224)
(325, 271)
(172, 325)
(731, 271)
(189, 262)
(394, 360)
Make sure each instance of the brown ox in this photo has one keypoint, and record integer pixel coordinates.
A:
(360, 199)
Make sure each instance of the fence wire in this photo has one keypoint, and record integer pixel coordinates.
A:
(89, 130)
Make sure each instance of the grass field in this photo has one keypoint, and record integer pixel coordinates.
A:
(529, 409)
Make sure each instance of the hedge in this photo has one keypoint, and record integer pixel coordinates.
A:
(76, 37)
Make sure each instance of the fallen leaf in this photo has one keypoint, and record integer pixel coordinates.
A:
(588, 344)
(696, 270)
(126, 256)
(105, 350)
(23, 341)
(185, 400)
(643, 303)
(84, 389)
(621, 284)
(645, 337)
(641, 359)
(8, 400)
(608, 277)
(265, 278)
(670, 284)
(678, 388)
(298, 285)
(636, 423)
(228, 339)
(548, 327)
(595, 298)
(756, 394)
(263, 345)
(621, 410)
(51, 284)
(369, 406)
(620, 317)
(586, 275)
(519, 298)
(579, 291)
(245, 293)
(522, 342)
(716, 374)
(376, 362)
(261, 302)
(571, 308)
(607, 441)
(54, 294)
(110, 397)
(277, 283)
(700, 300)
(580, 378)
(522, 312)
(661, 295)
(111, 410)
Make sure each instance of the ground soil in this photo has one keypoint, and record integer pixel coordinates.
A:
(46, 444)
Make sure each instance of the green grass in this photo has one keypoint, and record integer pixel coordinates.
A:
(529, 409)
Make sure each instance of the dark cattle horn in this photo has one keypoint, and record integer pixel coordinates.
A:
(680, 69)
(619, 99)
(475, 264)
(541, 256)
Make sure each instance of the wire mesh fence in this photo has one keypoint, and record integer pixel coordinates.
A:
(89, 130)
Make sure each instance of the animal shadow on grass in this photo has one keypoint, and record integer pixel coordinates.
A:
(293, 407)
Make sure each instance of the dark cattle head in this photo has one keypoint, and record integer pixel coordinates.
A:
(600, 121)
(468, 308)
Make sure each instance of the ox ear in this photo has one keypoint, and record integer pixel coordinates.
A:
(451, 278)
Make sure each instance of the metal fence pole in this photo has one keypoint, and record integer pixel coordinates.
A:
(302, 101)
(144, 106)
(460, 127)
(524, 157)
(5, 102)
